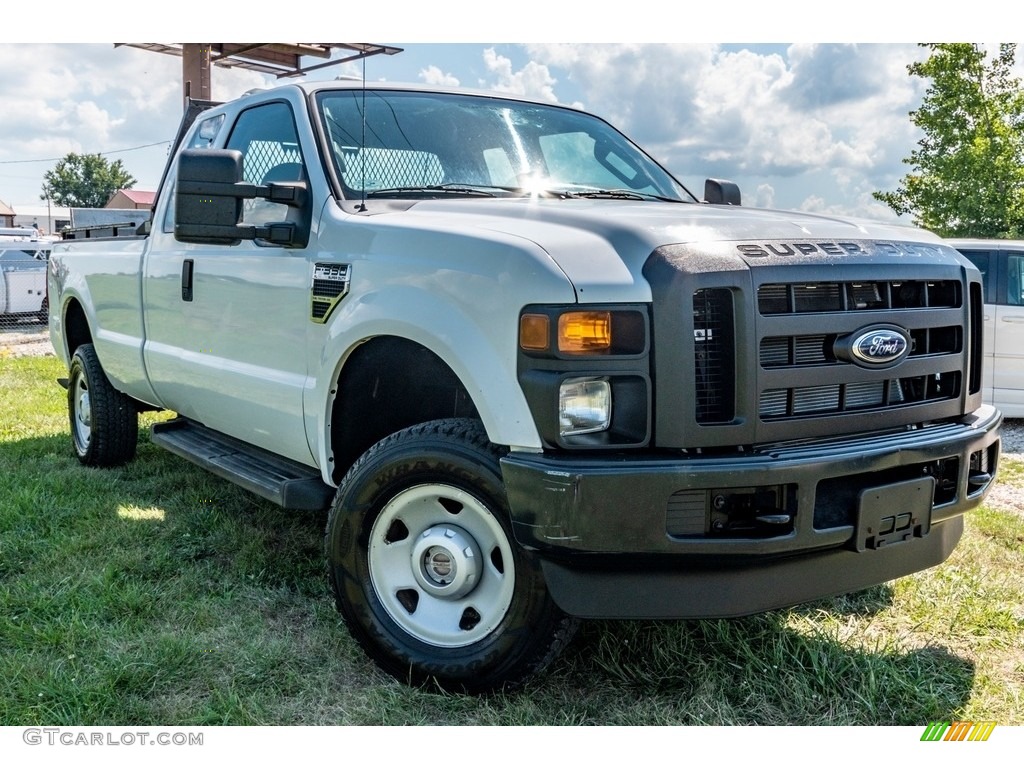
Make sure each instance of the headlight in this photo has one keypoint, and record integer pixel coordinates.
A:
(584, 406)
(582, 333)
(573, 361)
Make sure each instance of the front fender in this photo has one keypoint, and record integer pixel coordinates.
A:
(481, 354)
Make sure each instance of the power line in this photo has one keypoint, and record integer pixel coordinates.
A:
(109, 152)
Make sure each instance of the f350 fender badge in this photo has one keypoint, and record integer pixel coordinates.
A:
(880, 346)
(330, 284)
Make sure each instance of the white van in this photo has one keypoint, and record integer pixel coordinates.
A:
(1001, 263)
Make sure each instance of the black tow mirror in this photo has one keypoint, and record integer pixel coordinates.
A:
(208, 202)
(721, 192)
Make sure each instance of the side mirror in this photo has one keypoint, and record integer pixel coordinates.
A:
(208, 204)
(721, 192)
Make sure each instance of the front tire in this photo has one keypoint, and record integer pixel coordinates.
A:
(104, 422)
(425, 570)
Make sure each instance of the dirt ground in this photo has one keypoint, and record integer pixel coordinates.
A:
(16, 342)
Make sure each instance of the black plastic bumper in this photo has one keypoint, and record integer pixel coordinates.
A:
(601, 525)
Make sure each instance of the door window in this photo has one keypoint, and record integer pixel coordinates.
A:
(1015, 279)
(269, 143)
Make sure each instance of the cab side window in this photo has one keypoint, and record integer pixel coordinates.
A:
(269, 143)
(1015, 279)
(206, 133)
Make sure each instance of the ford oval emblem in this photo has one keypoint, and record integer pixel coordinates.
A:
(879, 347)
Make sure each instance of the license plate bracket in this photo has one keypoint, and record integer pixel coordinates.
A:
(894, 513)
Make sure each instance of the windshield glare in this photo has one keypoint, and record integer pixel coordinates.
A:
(413, 141)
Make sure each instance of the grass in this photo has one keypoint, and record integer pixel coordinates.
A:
(156, 593)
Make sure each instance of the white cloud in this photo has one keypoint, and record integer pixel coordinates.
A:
(92, 122)
(764, 197)
(92, 98)
(433, 75)
(792, 125)
(757, 116)
(533, 80)
(863, 206)
(639, 88)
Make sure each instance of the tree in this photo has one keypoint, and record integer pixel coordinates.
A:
(968, 170)
(85, 181)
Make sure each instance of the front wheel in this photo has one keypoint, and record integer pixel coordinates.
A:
(104, 422)
(425, 570)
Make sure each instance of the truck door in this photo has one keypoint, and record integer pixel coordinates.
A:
(226, 324)
(1008, 344)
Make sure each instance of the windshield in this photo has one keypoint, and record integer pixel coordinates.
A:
(434, 144)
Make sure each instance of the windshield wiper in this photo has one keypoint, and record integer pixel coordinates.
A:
(432, 190)
(617, 194)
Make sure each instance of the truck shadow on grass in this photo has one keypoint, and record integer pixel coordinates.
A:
(769, 670)
(155, 592)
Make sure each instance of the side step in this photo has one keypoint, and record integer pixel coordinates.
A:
(282, 481)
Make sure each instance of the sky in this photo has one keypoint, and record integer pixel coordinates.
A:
(798, 125)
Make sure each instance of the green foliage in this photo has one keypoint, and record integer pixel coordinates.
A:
(85, 181)
(968, 170)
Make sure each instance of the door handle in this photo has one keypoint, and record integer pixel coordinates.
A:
(1013, 319)
(186, 280)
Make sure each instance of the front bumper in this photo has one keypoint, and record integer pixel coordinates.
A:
(854, 513)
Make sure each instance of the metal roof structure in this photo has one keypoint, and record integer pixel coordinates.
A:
(279, 59)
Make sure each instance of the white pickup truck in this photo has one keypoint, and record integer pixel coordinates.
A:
(532, 377)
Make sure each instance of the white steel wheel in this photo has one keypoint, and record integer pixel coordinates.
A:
(81, 413)
(441, 565)
(425, 570)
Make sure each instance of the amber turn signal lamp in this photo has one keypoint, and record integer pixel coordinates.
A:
(534, 332)
(585, 333)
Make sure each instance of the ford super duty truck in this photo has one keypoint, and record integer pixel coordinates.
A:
(531, 376)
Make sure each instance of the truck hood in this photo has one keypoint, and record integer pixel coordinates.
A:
(602, 245)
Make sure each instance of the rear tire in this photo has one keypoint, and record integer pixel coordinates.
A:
(425, 569)
(104, 422)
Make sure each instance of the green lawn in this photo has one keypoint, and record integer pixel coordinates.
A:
(156, 593)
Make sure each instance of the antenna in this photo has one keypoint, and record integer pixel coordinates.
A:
(362, 149)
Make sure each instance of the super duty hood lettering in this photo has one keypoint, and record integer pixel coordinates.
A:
(834, 248)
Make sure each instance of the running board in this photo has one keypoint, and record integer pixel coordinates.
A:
(282, 481)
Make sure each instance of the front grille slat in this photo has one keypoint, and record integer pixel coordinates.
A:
(808, 400)
(803, 298)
